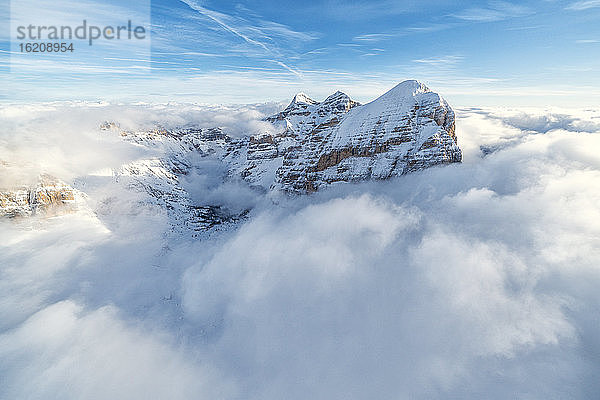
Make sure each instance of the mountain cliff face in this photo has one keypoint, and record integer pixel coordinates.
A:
(407, 129)
(315, 144)
(48, 197)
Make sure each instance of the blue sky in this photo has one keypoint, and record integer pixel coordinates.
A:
(475, 53)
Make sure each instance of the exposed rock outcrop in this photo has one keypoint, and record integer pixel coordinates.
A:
(407, 129)
(49, 197)
(312, 145)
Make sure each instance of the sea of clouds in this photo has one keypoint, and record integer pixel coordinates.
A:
(474, 280)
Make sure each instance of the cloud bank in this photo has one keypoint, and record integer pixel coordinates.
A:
(476, 280)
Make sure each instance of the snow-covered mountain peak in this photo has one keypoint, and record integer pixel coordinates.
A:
(304, 114)
(301, 98)
(406, 89)
(406, 129)
(337, 96)
(312, 145)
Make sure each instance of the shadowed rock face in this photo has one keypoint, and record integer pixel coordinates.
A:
(48, 197)
(316, 144)
(407, 129)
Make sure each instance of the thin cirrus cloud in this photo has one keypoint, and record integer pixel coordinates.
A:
(251, 28)
(196, 38)
(373, 37)
(440, 61)
(345, 10)
(267, 37)
(220, 19)
(584, 5)
(367, 38)
(496, 11)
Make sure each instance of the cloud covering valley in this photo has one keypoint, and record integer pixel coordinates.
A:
(472, 280)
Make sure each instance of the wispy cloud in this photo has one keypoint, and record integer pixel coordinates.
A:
(496, 11)
(261, 35)
(258, 31)
(201, 54)
(524, 28)
(583, 5)
(428, 28)
(314, 52)
(410, 30)
(440, 61)
(582, 41)
(280, 30)
(287, 67)
(346, 10)
(373, 37)
(220, 19)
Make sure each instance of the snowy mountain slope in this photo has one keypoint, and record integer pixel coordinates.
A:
(312, 145)
(407, 129)
(163, 177)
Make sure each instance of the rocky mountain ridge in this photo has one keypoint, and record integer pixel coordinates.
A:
(48, 197)
(314, 145)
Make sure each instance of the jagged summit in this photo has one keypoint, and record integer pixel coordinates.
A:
(301, 98)
(303, 105)
(400, 95)
(396, 108)
(341, 98)
(334, 97)
(406, 129)
(407, 88)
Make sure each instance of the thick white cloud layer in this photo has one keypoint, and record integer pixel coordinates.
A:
(476, 280)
